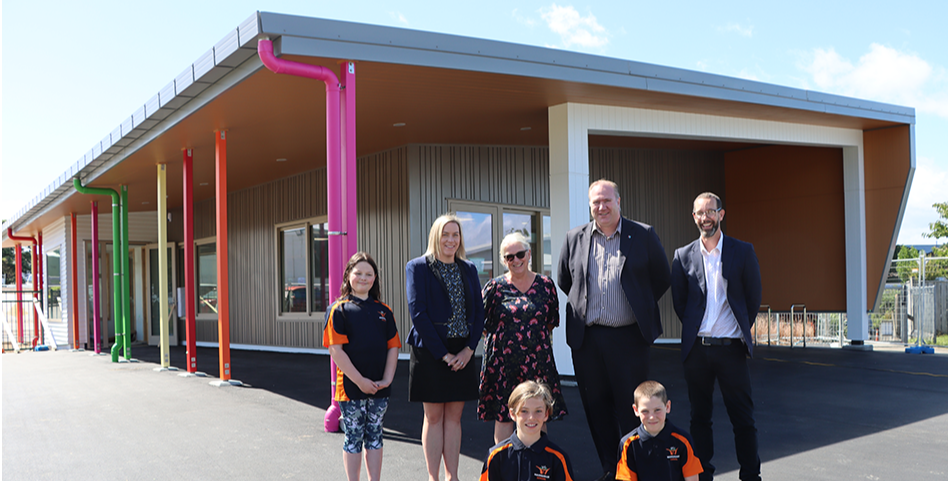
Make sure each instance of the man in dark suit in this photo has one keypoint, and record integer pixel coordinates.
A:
(716, 291)
(613, 271)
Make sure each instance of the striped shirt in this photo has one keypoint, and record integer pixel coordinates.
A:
(606, 301)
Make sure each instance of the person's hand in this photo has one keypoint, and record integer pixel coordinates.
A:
(461, 359)
(449, 359)
(367, 386)
(384, 383)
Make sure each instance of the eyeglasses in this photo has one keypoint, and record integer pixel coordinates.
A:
(707, 213)
(519, 255)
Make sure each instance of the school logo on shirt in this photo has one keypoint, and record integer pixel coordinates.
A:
(382, 316)
(543, 472)
(673, 453)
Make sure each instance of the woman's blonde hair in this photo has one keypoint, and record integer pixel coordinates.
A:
(434, 236)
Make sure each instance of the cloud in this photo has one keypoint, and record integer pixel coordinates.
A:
(927, 189)
(523, 20)
(883, 74)
(573, 28)
(738, 29)
(398, 17)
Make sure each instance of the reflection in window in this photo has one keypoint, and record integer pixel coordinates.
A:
(478, 242)
(320, 237)
(522, 223)
(293, 268)
(207, 278)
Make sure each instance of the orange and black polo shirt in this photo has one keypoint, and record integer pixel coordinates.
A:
(367, 330)
(511, 460)
(667, 456)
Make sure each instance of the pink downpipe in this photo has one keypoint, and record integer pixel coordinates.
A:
(333, 180)
(95, 278)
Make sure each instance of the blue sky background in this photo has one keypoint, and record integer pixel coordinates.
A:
(72, 71)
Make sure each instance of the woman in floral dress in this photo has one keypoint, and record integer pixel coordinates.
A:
(521, 310)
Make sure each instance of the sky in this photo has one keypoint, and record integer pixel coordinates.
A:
(73, 71)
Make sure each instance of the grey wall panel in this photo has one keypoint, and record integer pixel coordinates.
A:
(658, 187)
(383, 225)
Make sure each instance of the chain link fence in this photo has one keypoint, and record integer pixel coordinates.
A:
(914, 304)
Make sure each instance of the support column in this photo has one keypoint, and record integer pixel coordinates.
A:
(163, 267)
(74, 262)
(189, 288)
(18, 252)
(854, 192)
(347, 124)
(569, 173)
(223, 285)
(36, 339)
(38, 282)
(96, 281)
(126, 278)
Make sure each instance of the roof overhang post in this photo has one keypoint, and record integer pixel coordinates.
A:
(854, 193)
(569, 172)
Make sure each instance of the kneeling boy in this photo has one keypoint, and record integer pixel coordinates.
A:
(656, 450)
(528, 453)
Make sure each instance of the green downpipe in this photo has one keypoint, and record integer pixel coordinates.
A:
(116, 263)
(126, 278)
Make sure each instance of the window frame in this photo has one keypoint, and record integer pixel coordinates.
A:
(310, 315)
(197, 280)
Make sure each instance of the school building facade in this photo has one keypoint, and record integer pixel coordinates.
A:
(507, 135)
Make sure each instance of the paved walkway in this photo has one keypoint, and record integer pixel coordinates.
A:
(822, 414)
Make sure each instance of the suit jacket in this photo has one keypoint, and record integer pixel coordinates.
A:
(644, 277)
(430, 306)
(739, 268)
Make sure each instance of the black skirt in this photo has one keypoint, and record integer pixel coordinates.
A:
(430, 380)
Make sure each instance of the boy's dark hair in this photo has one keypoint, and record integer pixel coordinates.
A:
(345, 288)
(529, 390)
(650, 389)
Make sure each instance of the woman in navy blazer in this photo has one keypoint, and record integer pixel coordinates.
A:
(447, 316)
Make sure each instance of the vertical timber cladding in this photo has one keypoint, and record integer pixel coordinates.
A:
(658, 187)
(254, 214)
(788, 202)
(887, 159)
(383, 225)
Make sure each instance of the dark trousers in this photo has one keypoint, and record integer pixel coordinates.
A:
(727, 364)
(609, 365)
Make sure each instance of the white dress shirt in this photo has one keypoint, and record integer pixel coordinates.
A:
(719, 320)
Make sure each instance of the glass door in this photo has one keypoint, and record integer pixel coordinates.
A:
(154, 311)
(478, 231)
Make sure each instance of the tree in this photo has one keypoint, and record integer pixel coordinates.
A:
(9, 264)
(939, 228)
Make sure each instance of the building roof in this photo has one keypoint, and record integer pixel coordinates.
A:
(445, 89)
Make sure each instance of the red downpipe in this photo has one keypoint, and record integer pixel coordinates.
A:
(19, 283)
(75, 282)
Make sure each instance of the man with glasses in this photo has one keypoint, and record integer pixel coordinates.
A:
(716, 291)
(614, 271)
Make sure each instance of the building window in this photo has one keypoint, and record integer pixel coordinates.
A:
(53, 287)
(303, 251)
(205, 272)
(485, 225)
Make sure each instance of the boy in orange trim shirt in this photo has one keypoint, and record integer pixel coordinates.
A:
(528, 454)
(656, 450)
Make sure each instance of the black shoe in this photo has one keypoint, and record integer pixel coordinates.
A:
(607, 477)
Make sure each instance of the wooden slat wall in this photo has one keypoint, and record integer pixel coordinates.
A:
(383, 225)
(504, 175)
(658, 187)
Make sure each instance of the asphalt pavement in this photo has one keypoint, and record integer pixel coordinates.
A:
(821, 414)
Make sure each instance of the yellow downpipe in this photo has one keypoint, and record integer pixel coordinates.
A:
(163, 263)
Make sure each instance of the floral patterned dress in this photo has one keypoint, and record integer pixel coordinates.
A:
(518, 344)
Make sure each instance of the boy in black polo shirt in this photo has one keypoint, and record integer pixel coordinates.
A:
(656, 450)
(528, 453)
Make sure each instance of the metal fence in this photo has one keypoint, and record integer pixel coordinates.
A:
(914, 304)
(799, 327)
(21, 325)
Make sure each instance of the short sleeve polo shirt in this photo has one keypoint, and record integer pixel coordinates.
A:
(366, 330)
(669, 456)
(511, 460)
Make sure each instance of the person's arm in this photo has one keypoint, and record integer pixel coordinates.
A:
(345, 365)
(753, 292)
(693, 477)
(659, 274)
(679, 286)
(490, 304)
(391, 362)
(563, 277)
(416, 277)
(553, 305)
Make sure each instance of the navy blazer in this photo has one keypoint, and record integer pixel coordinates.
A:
(740, 269)
(645, 277)
(430, 307)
